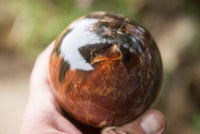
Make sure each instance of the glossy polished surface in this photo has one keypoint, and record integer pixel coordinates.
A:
(106, 69)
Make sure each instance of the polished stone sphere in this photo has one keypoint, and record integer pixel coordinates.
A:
(106, 69)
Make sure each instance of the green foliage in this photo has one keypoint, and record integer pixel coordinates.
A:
(43, 21)
(196, 122)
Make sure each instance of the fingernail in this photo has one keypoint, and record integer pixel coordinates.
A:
(120, 131)
(110, 132)
(151, 125)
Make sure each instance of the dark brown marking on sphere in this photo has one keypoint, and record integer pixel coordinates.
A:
(64, 66)
(106, 69)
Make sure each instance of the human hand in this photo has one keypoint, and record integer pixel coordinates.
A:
(44, 116)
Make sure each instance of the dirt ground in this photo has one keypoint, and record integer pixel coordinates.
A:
(14, 80)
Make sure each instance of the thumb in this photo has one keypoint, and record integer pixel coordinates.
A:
(151, 122)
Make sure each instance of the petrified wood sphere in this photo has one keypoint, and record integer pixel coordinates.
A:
(106, 69)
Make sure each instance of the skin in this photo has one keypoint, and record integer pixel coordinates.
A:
(44, 116)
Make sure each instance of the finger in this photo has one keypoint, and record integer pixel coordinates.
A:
(41, 99)
(151, 122)
(40, 85)
(41, 66)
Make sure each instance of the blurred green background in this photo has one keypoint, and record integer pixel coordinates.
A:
(28, 26)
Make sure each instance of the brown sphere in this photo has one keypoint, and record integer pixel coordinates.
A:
(106, 69)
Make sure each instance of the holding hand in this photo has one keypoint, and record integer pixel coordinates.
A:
(44, 116)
